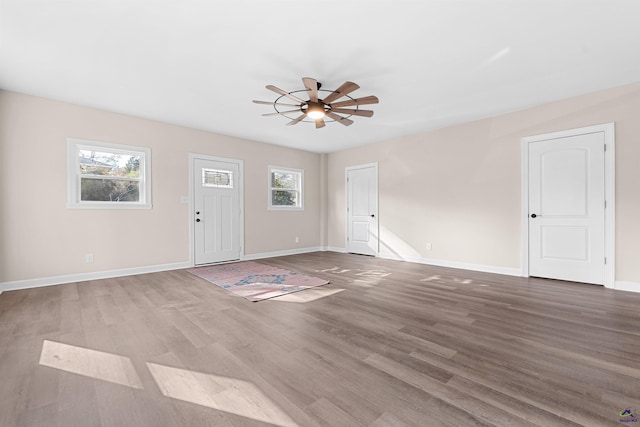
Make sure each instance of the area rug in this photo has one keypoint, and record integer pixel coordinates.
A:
(255, 281)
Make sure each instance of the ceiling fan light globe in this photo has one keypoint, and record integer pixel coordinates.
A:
(315, 110)
(315, 114)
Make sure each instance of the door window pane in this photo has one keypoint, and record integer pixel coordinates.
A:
(217, 178)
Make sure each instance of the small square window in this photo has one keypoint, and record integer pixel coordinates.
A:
(285, 188)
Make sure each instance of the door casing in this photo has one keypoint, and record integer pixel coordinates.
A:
(240, 163)
(609, 187)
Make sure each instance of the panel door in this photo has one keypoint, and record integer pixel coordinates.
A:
(566, 208)
(362, 210)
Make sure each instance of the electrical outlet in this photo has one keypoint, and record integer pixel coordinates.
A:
(429, 247)
(88, 258)
(297, 239)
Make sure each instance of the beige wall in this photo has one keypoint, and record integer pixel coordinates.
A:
(40, 237)
(458, 188)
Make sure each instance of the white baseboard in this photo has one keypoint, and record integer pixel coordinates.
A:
(454, 264)
(335, 249)
(442, 263)
(627, 286)
(82, 277)
(263, 255)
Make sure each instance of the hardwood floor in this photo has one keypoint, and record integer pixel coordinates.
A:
(391, 344)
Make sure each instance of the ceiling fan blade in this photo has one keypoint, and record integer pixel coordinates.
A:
(363, 113)
(297, 120)
(282, 112)
(340, 119)
(284, 93)
(345, 89)
(320, 123)
(275, 103)
(358, 101)
(312, 87)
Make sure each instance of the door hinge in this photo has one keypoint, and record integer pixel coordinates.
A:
(605, 204)
(605, 147)
(605, 260)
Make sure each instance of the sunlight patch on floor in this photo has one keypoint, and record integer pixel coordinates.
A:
(222, 393)
(336, 270)
(374, 274)
(89, 363)
(370, 278)
(437, 277)
(230, 395)
(307, 295)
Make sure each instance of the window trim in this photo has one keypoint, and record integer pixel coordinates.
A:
(270, 189)
(74, 145)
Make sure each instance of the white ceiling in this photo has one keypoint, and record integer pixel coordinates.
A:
(432, 63)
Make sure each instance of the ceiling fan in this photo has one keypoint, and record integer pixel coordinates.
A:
(317, 108)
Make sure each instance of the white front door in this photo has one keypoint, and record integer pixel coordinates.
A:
(217, 215)
(567, 208)
(362, 209)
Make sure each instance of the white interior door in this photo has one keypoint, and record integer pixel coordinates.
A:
(362, 210)
(217, 213)
(567, 208)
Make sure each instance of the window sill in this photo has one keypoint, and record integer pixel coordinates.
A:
(286, 208)
(108, 206)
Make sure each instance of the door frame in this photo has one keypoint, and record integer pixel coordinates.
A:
(609, 192)
(240, 163)
(346, 202)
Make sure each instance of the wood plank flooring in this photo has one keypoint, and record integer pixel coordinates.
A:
(386, 343)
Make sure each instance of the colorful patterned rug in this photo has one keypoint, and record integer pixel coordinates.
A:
(255, 281)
